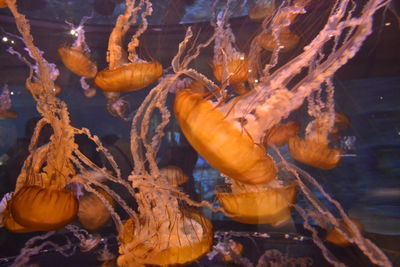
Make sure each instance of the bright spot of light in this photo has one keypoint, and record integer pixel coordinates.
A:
(241, 58)
(256, 81)
(330, 35)
(381, 97)
(281, 46)
(11, 93)
(5, 39)
(12, 41)
(388, 24)
(72, 32)
(249, 70)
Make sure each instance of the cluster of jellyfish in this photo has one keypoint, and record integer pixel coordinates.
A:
(235, 120)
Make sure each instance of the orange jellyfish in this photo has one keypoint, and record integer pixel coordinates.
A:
(127, 73)
(189, 237)
(229, 65)
(315, 151)
(92, 213)
(175, 176)
(278, 35)
(262, 9)
(76, 57)
(280, 133)
(221, 142)
(258, 205)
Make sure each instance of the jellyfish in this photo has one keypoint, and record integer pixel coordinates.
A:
(229, 65)
(128, 72)
(41, 200)
(269, 204)
(3, 3)
(76, 57)
(314, 150)
(92, 213)
(174, 175)
(5, 105)
(278, 35)
(280, 133)
(163, 233)
(262, 9)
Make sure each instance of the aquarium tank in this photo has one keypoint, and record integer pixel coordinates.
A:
(200, 133)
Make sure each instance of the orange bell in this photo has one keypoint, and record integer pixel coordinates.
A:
(267, 206)
(287, 40)
(128, 77)
(93, 213)
(174, 254)
(220, 142)
(280, 133)
(237, 71)
(314, 153)
(77, 61)
(43, 209)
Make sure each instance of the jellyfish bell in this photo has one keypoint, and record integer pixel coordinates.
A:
(172, 249)
(77, 61)
(175, 176)
(43, 209)
(224, 145)
(93, 213)
(129, 77)
(335, 237)
(280, 133)
(287, 40)
(268, 205)
(237, 71)
(262, 9)
(314, 152)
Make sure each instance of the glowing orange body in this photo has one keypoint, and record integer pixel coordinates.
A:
(171, 256)
(3, 3)
(335, 237)
(237, 71)
(287, 40)
(224, 146)
(270, 206)
(93, 214)
(129, 77)
(314, 153)
(77, 61)
(42, 208)
(280, 133)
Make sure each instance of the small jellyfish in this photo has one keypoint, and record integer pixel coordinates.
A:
(175, 176)
(262, 9)
(287, 40)
(280, 133)
(92, 213)
(258, 205)
(76, 57)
